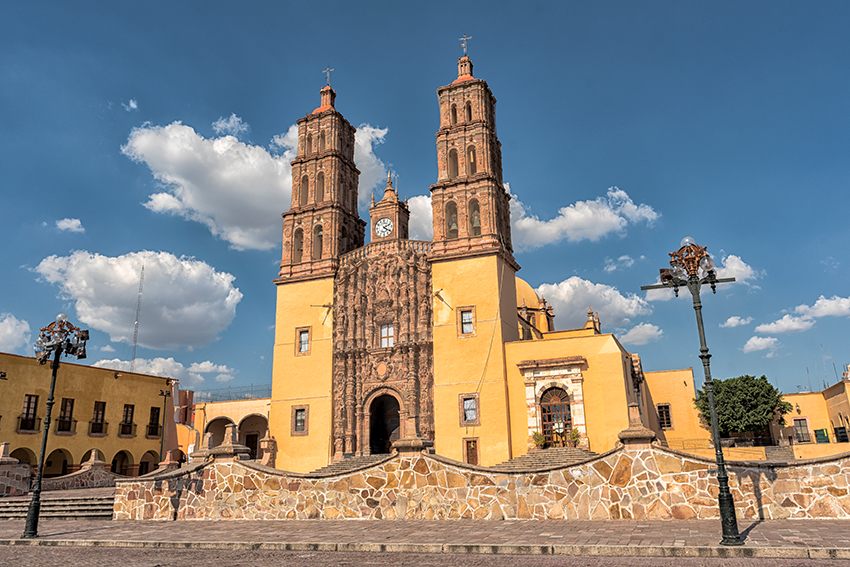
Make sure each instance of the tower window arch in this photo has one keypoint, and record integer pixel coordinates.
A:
(318, 238)
(468, 111)
(320, 187)
(322, 142)
(451, 220)
(474, 218)
(297, 246)
(454, 114)
(309, 144)
(305, 190)
(452, 163)
(471, 165)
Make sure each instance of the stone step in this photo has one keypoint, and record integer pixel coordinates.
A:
(349, 464)
(778, 453)
(95, 508)
(546, 459)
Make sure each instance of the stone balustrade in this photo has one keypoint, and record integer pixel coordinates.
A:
(636, 481)
(14, 475)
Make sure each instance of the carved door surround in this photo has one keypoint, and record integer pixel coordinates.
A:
(564, 373)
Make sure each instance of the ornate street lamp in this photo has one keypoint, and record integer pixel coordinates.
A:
(57, 338)
(692, 267)
(165, 395)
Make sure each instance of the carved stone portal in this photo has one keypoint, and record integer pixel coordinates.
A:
(380, 285)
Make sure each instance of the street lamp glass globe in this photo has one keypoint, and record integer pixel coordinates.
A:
(61, 318)
(679, 272)
(686, 241)
(706, 263)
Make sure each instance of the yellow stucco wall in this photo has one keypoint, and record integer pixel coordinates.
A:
(303, 379)
(606, 383)
(675, 387)
(85, 385)
(472, 364)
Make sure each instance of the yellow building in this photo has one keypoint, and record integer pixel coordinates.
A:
(403, 343)
(118, 413)
(818, 423)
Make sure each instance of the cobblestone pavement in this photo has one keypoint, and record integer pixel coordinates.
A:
(152, 557)
(802, 539)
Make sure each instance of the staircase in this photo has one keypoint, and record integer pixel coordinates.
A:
(349, 464)
(64, 508)
(772, 453)
(550, 458)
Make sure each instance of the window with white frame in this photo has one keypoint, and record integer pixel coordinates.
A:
(386, 336)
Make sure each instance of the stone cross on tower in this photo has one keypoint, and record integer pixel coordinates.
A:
(327, 73)
(463, 41)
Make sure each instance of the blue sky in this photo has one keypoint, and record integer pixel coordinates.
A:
(160, 133)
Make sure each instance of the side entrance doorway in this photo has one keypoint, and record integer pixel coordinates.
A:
(384, 424)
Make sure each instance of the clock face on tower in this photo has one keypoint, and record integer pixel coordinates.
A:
(384, 227)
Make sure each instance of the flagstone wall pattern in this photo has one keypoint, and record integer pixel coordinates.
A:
(652, 483)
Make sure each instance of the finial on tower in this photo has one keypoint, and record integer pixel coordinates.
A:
(389, 179)
(327, 72)
(463, 41)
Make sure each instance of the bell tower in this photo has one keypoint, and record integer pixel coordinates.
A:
(322, 223)
(469, 201)
(390, 216)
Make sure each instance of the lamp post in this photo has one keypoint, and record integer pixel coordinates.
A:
(165, 394)
(692, 267)
(57, 338)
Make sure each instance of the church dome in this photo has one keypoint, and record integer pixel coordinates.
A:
(526, 292)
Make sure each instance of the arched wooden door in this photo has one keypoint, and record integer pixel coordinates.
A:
(556, 417)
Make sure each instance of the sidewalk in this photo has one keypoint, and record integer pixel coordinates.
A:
(814, 539)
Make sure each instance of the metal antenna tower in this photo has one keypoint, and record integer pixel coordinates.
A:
(138, 310)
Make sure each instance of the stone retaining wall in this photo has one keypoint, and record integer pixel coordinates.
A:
(628, 483)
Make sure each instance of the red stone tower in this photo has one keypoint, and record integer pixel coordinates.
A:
(470, 204)
(322, 222)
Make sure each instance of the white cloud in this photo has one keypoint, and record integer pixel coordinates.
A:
(571, 298)
(788, 324)
(71, 225)
(223, 378)
(373, 172)
(583, 220)
(642, 334)
(185, 303)
(421, 218)
(130, 106)
(236, 190)
(14, 333)
(107, 348)
(167, 367)
(661, 294)
(733, 267)
(823, 307)
(232, 126)
(736, 321)
(206, 367)
(624, 261)
(755, 344)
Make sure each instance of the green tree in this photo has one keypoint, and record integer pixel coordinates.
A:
(745, 403)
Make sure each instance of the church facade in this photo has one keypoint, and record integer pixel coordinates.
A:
(430, 344)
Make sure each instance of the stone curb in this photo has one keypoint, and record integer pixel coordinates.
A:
(496, 549)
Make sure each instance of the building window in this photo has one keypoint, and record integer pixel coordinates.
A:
(320, 187)
(451, 220)
(471, 167)
(468, 111)
(452, 163)
(665, 419)
(801, 431)
(28, 416)
(386, 336)
(302, 341)
(127, 425)
(454, 114)
(66, 416)
(466, 321)
(309, 143)
(474, 218)
(305, 190)
(300, 421)
(470, 451)
(153, 423)
(322, 142)
(470, 413)
(297, 246)
(841, 435)
(318, 238)
(97, 424)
